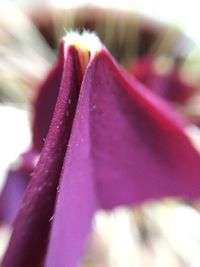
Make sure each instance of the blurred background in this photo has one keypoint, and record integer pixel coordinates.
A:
(158, 42)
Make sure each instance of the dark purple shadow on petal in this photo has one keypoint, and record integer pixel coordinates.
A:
(31, 228)
(44, 104)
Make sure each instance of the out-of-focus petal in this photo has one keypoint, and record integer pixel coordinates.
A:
(168, 85)
(11, 195)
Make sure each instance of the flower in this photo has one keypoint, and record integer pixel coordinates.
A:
(111, 142)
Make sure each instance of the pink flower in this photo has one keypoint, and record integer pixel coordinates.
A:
(111, 142)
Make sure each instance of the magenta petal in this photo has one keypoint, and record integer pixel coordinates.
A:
(137, 144)
(31, 227)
